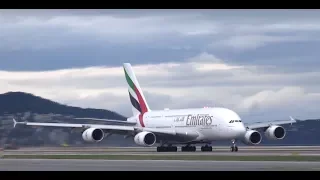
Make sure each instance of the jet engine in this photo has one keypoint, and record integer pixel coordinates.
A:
(275, 132)
(252, 137)
(93, 135)
(145, 139)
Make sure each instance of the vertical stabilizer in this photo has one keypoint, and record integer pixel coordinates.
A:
(137, 99)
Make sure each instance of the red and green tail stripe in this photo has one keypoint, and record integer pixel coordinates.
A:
(139, 104)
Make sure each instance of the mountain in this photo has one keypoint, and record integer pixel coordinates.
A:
(303, 133)
(28, 107)
(20, 102)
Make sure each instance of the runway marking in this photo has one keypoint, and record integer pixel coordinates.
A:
(151, 165)
(168, 161)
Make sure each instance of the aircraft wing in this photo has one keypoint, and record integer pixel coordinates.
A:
(116, 129)
(107, 120)
(267, 124)
(69, 125)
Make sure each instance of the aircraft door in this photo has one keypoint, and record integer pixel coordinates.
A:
(146, 121)
(170, 120)
(220, 128)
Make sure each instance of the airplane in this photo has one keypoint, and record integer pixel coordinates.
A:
(168, 128)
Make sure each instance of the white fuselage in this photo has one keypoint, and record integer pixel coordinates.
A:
(204, 124)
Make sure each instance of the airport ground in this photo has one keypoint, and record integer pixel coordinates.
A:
(209, 160)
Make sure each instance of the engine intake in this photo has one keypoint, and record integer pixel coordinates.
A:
(275, 132)
(93, 135)
(252, 137)
(145, 139)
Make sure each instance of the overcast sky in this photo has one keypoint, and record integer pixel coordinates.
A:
(263, 64)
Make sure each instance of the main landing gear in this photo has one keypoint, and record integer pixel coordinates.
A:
(206, 148)
(188, 148)
(234, 147)
(167, 149)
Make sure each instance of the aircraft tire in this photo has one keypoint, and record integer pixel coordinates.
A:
(234, 149)
(206, 148)
(167, 149)
(188, 148)
(160, 149)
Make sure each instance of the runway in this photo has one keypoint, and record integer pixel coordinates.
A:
(217, 150)
(159, 165)
(151, 165)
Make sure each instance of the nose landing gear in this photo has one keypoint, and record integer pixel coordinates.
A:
(234, 147)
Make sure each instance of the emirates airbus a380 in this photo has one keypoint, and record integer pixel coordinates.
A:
(168, 128)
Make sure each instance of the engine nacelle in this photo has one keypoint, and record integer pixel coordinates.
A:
(93, 135)
(275, 132)
(145, 139)
(252, 137)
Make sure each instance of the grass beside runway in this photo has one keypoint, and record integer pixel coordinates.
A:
(170, 157)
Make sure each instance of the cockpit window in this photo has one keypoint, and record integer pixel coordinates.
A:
(232, 121)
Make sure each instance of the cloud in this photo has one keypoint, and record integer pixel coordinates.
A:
(263, 64)
(39, 29)
(58, 39)
(202, 80)
(32, 28)
(274, 99)
(247, 42)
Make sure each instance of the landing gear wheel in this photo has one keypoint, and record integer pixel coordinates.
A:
(206, 148)
(167, 149)
(160, 149)
(188, 148)
(172, 148)
(234, 149)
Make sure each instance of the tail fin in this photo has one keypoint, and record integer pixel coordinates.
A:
(138, 101)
